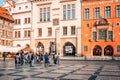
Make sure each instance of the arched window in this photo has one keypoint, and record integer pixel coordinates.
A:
(97, 51)
(108, 50)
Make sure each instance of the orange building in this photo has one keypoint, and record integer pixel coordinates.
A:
(101, 28)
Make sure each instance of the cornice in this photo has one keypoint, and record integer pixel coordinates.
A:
(42, 4)
(62, 1)
(21, 12)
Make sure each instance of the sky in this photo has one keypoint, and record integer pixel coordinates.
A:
(1, 2)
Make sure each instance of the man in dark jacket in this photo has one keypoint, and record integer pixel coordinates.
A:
(4, 56)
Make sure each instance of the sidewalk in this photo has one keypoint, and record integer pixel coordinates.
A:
(89, 58)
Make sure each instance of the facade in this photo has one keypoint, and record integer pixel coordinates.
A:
(22, 19)
(57, 27)
(101, 28)
(6, 28)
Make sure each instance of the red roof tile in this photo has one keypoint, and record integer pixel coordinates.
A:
(4, 13)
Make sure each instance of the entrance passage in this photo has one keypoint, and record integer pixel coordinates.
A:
(69, 49)
(40, 48)
(97, 51)
(108, 51)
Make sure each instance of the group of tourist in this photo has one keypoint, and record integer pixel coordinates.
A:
(31, 58)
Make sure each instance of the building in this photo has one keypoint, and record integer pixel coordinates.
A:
(101, 28)
(57, 27)
(6, 28)
(22, 27)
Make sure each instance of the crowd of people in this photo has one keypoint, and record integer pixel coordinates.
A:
(32, 58)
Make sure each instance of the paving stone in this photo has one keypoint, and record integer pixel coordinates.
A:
(107, 78)
(105, 69)
(36, 79)
(25, 73)
(39, 70)
(84, 72)
(111, 67)
(49, 75)
(76, 77)
(7, 72)
(61, 71)
(68, 68)
(89, 69)
(9, 77)
(116, 73)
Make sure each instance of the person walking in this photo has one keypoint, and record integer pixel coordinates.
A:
(4, 56)
(58, 58)
(30, 58)
(55, 59)
(46, 59)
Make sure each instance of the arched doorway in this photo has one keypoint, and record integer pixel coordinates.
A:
(97, 51)
(108, 50)
(40, 48)
(69, 49)
(52, 48)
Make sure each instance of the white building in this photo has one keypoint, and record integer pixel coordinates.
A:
(22, 28)
(57, 23)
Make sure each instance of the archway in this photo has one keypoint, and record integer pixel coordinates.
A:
(52, 48)
(69, 49)
(97, 51)
(40, 48)
(108, 50)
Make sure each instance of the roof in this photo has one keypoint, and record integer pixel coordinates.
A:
(4, 13)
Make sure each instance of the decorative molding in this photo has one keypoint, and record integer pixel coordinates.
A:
(22, 12)
(42, 4)
(62, 1)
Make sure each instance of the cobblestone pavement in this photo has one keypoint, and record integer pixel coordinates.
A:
(66, 70)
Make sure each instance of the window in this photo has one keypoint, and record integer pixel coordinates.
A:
(29, 33)
(25, 20)
(102, 34)
(97, 13)
(25, 33)
(110, 35)
(26, 7)
(45, 14)
(64, 12)
(73, 11)
(64, 30)
(48, 14)
(17, 21)
(40, 32)
(19, 8)
(94, 35)
(72, 30)
(85, 48)
(28, 20)
(49, 31)
(108, 12)
(40, 14)
(68, 12)
(87, 14)
(118, 48)
(17, 34)
(118, 11)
